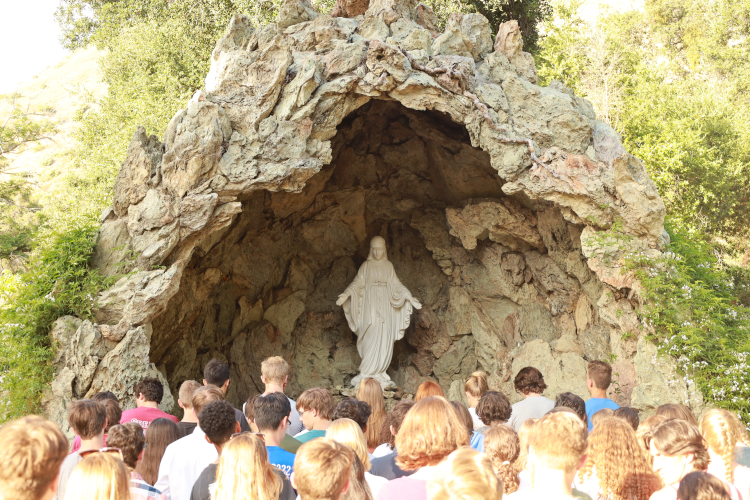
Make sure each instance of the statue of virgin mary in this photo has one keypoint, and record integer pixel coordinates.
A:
(378, 309)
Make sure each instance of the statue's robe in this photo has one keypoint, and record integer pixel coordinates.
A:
(378, 311)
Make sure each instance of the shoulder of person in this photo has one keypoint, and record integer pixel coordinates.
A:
(580, 494)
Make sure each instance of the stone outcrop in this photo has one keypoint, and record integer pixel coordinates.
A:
(497, 198)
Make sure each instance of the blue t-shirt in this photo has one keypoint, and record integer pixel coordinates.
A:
(281, 459)
(593, 405)
(477, 441)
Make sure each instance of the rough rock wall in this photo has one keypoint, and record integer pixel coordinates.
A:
(241, 234)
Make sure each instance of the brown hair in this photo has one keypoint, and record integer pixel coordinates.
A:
(574, 402)
(464, 416)
(524, 434)
(701, 485)
(719, 434)
(466, 473)
(428, 388)
(430, 432)
(630, 415)
(502, 446)
(601, 373)
(187, 389)
(621, 469)
(678, 437)
(476, 384)
(354, 409)
(114, 413)
(129, 438)
(678, 411)
(151, 389)
(529, 380)
(161, 433)
(321, 469)
(358, 487)
(558, 441)
(99, 475)
(319, 399)
(250, 408)
(204, 395)
(493, 407)
(31, 451)
(275, 369)
(601, 415)
(87, 418)
(642, 432)
(371, 393)
(394, 419)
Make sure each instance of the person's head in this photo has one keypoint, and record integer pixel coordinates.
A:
(353, 409)
(502, 446)
(104, 395)
(464, 416)
(493, 407)
(348, 432)
(130, 439)
(678, 411)
(377, 249)
(466, 473)
(358, 487)
(601, 415)
(677, 448)
(529, 380)
(275, 370)
(431, 431)
(216, 373)
(394, 420)
(719, 434)
(558, 441)
(371, 393)
(618, 462)
(630, 415)
(739, 428)
(574, 402)
(640, 434)
(99, 475)
(249, 410)
(701, 485)
(204, 395)
(475, 386)
(598, 375)
(31, 451)
(272, 412)
(87, 418)
(148, 390)
(217, 421)
(244, 472)
(161, 433)
(187, 389)
(114, 413)
(428, 388)
(315, 404)
(524, 435)
(321, 469)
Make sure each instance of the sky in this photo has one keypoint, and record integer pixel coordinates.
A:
(28, 40)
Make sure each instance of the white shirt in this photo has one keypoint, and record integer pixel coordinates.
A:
(478, 424)
(382, 450)
(375, 483)
(182, 463)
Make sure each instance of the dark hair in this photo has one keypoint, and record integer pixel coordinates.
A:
(249, 408)
(701, 485)
(104, 395)
(630, 415)
(161, 433)
(574, 402)
(464, 416)
(358, 487)
(217, 421)
(493, 406)
(216, 372)
(678, 437)
(601, 373)
(563, 409)
(529, 380)
(114, 413)
(394, 419)
(354, 409)
(129, 438)
(270, 410)
(151, 389)
(87, 417)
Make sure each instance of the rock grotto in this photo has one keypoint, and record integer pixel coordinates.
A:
(507, 208)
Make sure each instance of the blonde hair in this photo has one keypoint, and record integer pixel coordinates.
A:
(502, 446)
(621, 468)
(31, 451)
(275, 369)
(428, 388)
(644, 428)
(678, 411)
(558, 441)
(739, 428)
(524, 432)
(431, 431)
(347, 431)
(204, 395)
(371, 393)
(187, 389)
(476, 384)
(244, 471)
(321, 469)
(99, 476)
(599, 416)
(465, 474)
(719, 433)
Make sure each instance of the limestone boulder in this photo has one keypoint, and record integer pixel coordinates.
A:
(498, 221)
(142, 162)
(509, 42)
(294, 12)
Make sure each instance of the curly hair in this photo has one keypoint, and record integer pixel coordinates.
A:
(217, 421)
(621, 468)
(354, 409)
(719, 433)
(493, 406)
(151, 389)
(130, 439)
(502, 446)
(529, 380)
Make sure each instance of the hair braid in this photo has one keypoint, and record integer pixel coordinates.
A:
(721, 438)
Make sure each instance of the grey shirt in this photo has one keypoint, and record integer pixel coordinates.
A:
(533, 407)
(66, 469)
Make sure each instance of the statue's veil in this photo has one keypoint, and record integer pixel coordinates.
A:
(385, 249)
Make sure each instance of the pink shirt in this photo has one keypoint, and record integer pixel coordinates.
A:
(144, 416)
(404, 488)
(77, 443)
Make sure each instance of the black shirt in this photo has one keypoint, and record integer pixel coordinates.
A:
(186, 428)
(208, 477)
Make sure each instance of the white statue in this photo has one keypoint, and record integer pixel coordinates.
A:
(378, 309)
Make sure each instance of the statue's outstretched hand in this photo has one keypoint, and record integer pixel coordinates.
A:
(415, 303)
(342, 299)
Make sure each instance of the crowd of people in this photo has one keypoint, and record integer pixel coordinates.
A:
(315, 448)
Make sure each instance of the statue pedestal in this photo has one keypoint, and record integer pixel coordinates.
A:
(391, 396)
(384, 380)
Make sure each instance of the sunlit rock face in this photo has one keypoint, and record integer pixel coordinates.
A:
(317, 133)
